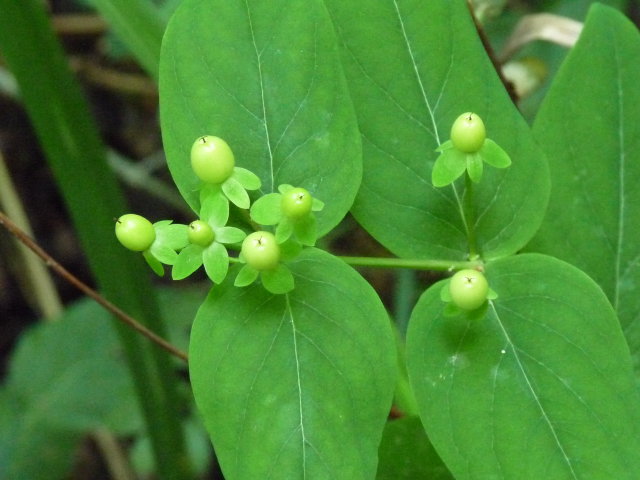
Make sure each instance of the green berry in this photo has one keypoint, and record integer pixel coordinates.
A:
(296, 203)
(211, 159)
(261, 251)
(468, 133)
(468, 289)
(200, 233)
(135, 232)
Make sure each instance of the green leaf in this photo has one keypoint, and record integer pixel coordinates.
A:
(236, 193)
(154, 263)
(305, 230)
(590, 124)
(246, 178)
(229, 235)
(246, 276)
(267, 210)
(406, 453)
(413, 66)
(261, 366)
(539, 387)
(216, 262)
(271, 84)
(188, 261)
(215, 207)
(278, 281)
(449, 165)
(494, 155)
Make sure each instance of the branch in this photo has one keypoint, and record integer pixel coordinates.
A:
(73, 280)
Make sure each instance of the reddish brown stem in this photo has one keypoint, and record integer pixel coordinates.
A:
(83, 287)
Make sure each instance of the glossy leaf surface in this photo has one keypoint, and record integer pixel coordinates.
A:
(266, 77)
(306, 379)
(539, 387)
(413, 67)
(594, 211)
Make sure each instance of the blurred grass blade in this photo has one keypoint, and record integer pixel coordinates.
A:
(70, 140)
(139, 25)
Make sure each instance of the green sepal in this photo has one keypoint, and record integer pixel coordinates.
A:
(236, 193)
(278, 281)
(451, 310)
(163, 253)
(317, 205)
(494, 155)
(174, 235)
(188, 261)
(445, 293)
(155, 265)
(449, 165)
(474, 167)
(284, 230)
(229, 235)
(491, 294)
(208, 190)
(267, 210)
(216, 262)
(290, 250)
(306, 231)
(214, 209)
(246, 178)
(285, 187)
(448, 145)
(246, 276)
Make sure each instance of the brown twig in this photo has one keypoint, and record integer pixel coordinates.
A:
(69, 277)
(492, 56)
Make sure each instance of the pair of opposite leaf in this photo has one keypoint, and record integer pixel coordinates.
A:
(467, 150)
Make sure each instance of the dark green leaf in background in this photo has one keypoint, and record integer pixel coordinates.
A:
(540, 387)
(413, 66)
(296, 385)
(266, 77)
(589, 125)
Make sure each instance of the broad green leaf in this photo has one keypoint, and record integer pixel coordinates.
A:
(541, 386)
(296, 385)
(589, 125)
(266, 77)
(406, 453)
(413, 66)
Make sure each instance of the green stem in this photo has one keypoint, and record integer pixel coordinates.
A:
(468, 210)
(412, 263)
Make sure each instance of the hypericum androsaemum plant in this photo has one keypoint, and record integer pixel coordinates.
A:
(517, 364)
